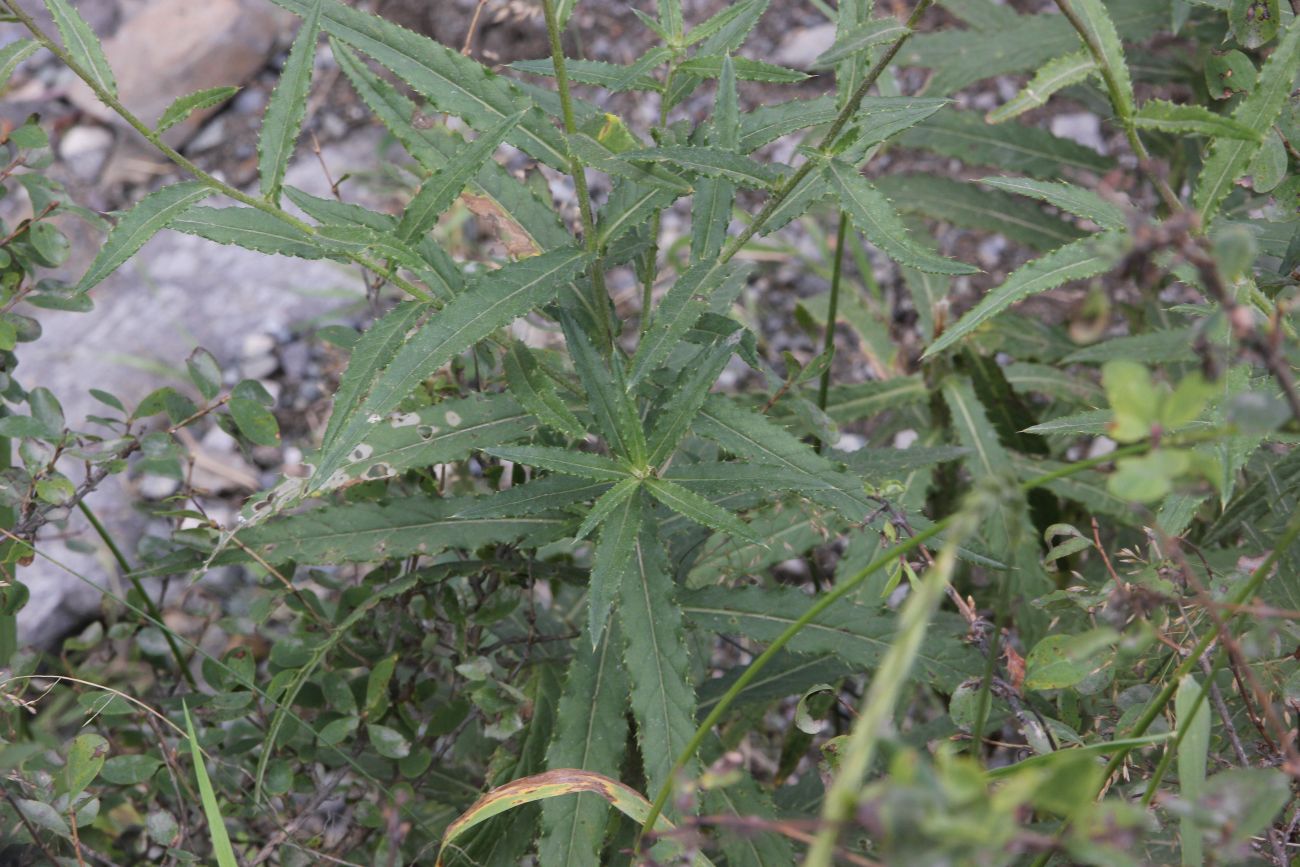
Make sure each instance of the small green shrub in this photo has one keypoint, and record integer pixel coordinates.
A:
(509, 570)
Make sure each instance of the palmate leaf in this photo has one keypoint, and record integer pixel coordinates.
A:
(1162, 116)
(1083, 258)
(789, 529)
(287, 107)
(572, 463)
(1028, 150)
(698, 509)
(438, 192)
(615, 559)
(875, 216)
(1229, 158)
(592, 737)
(1052, 76)
(248, 228)
(450, 81)
(532, 388)
(371, 532)
(611, 404)
(655, 657)
(82, 44)
(857, 39)
(1068, 197)
(490, 301)
(448, 431)
(182, 107)
(145, 219)
(846, 630)
(512, 203)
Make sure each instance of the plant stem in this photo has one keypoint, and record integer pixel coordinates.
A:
(882, 696)
(586, 214)
(832, 312)
(176, 157)
(145, 598)
(1118, 101)
(847, 586)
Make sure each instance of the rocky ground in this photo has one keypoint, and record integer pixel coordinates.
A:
(258, 314)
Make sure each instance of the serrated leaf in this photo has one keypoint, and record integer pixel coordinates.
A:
(592, 738)
(1068, 197)
(438, 192)
(184, 106)
(532, 388)
(848, 403)
(452, 82)
(874, 215)
(880, 118)
(612, 405)
(149, 215)
(1052, 76)
(1028, 150)
(1105, 37)
(510, 203)
(447, 431)
(605, 504)
(711, 162)
(372, 532)
(490, 301)
(287, 107)
(371, 354)
(630, 206)
(567, 461)
(1175, 344)
(82, 44)
(675, 314)
(248, 228)
(710, 66)
(1163, 116)
(965, 204)
(698, 509)
(1229, 158)
(685, 397)
(12, 55)
(857, 39)
(655, 657)
(767, 123)
(614, 560)
(847, 630)
(610, 76)
(539, 495)
(1084, 258)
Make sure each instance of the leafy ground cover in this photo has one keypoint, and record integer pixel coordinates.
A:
(1027, 594)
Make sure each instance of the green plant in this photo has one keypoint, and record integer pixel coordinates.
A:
(510, 565)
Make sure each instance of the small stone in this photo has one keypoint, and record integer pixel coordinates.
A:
(84, 149)
(212, 135)
(216, 441)
(256, 344)
(1082, 127)
(800, 48)
(258, 367)
(153, 487)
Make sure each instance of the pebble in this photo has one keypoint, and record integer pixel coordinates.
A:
(154, 487)
(85, 149)
(800, 48)
(1082, 127)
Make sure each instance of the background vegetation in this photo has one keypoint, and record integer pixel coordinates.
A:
(992, 568)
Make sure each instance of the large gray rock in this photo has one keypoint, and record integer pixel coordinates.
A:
(170, 48)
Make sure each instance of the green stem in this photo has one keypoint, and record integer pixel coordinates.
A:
(579, 173)
(1118, 100)
(110, 543)
(847, 586)
(832, 311)
(176, 157)
(652, 255)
